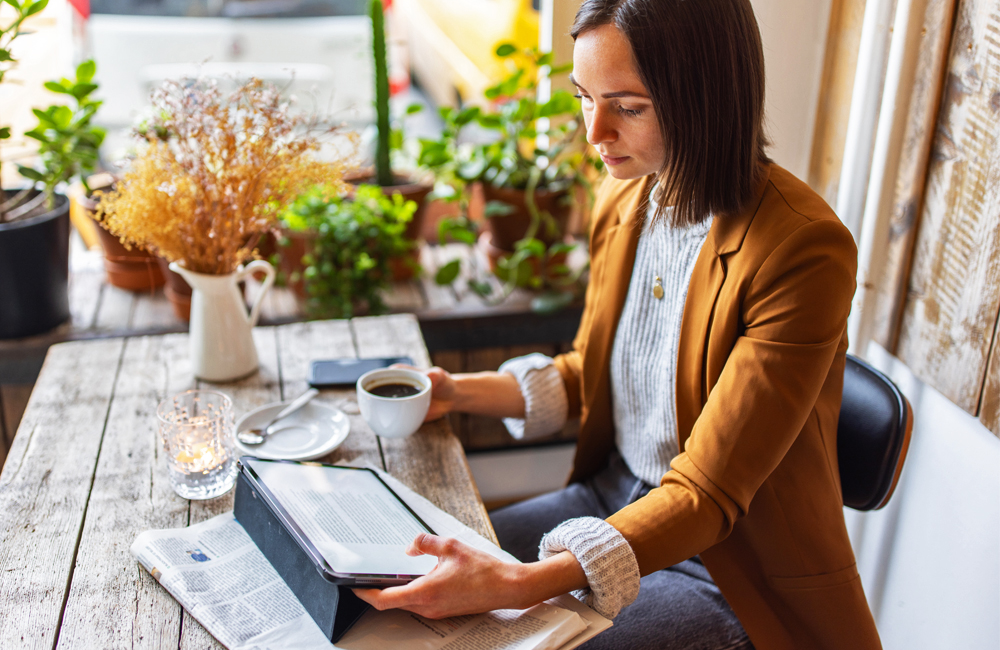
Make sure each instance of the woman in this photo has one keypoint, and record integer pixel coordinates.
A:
(704, 507)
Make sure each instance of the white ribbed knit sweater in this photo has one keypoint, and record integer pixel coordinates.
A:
(643, 367)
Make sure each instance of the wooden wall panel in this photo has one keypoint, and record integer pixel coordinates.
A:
(954, 289)
(924, 102)
(989, 411)
(834, 106)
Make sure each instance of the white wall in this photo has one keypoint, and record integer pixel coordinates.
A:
(794, 36)
(930, 561)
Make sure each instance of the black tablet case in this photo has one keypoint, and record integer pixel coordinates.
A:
(335, 609)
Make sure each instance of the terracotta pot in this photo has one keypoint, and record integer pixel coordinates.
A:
(177, 291)
(508, 229)
(403, 268)
(132, 270)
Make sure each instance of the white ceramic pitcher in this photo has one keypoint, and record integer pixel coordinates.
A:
(222, 346)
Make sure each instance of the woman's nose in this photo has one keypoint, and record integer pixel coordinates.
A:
(600, 128)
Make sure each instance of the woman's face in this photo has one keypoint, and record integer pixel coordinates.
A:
(617, 109)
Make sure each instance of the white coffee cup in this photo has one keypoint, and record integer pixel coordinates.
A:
(394, 417)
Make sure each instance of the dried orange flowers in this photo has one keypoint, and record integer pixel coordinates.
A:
(215, 172)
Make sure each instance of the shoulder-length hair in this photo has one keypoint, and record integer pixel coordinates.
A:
(703, 66)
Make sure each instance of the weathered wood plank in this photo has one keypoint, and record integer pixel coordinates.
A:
(114, 603)
(954, 288)
(404, 297)
(15, 401)
(115, 311)
(431, 259)
(153, 311)
(989, 412)
(301, 343)
(924, 103)
(836, 88)
(45, 487)
(431, 461)
(85, 287)
(247, 394)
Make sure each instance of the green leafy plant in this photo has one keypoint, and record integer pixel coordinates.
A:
(23, 9)
(68, 143)
(539, 146)
(347, 264)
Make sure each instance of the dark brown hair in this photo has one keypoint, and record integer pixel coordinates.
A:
(703, 66)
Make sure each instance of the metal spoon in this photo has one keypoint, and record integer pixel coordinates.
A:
(259, 435)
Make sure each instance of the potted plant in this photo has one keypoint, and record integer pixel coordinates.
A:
(350, 245)
(528, 174)
(213, 173)
(34, 223)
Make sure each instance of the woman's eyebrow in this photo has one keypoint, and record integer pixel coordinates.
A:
(614, 95)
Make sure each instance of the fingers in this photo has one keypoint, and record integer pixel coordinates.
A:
(381, 599)
(425, 544)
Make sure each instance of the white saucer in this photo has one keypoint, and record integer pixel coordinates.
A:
(310, 433)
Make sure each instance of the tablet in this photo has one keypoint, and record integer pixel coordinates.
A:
(351, 524)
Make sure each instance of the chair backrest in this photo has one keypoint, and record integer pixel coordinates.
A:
(873, 436)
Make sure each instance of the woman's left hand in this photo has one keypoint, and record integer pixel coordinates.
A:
(465, 581)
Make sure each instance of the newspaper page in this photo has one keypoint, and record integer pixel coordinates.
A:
(217, 573)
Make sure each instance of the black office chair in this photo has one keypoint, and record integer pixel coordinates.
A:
(873, 436)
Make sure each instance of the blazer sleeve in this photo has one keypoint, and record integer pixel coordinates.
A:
(795, 312)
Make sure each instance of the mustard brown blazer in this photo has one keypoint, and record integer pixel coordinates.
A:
(755, 489)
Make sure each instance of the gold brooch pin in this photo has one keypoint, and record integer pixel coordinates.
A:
(657, 289)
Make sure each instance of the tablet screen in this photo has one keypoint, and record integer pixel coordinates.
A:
(355, 522)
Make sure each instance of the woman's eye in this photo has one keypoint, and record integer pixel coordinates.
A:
(583, 98)
(629, 112)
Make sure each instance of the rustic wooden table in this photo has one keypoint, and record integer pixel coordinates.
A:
(85, 475)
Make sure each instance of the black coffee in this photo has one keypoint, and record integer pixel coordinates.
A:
(393, 390)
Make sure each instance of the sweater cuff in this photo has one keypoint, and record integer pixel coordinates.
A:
(607, 560)
(545, 401)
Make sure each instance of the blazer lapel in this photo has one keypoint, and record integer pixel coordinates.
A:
(726, 236)
(622, 242)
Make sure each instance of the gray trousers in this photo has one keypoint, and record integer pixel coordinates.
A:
(678, 608)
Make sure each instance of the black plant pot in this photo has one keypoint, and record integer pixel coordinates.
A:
(34, 272)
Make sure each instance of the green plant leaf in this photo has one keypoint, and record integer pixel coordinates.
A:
(414, 108)
(4, 132)
(43, 116)
(85, 71)
(56, 87)
(31, 174)
(13, 3)
(447, 273)
(494, 209)
(34, 8)
(81, 90)
(505, 49)
(5, 55)
(480, 288)
(62, 116)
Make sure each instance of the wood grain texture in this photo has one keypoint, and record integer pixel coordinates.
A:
(300, 344)
(256, 390)
(834, 106)
(431, 461)
(45, 488)
(113, 602)
(989, 411)
(907, 202)
(954, 288)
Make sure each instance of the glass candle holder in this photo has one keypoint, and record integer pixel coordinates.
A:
(196, 429)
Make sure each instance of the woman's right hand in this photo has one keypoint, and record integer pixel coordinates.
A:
(442, 393)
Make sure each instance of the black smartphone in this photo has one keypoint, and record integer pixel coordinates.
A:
(346, 372)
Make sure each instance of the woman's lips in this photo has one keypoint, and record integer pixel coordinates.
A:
(612, 160)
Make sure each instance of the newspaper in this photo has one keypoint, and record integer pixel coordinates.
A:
(220, 577)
